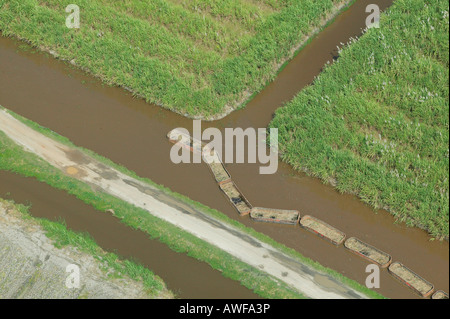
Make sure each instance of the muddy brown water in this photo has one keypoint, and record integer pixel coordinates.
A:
(133, 133)
(185, 276)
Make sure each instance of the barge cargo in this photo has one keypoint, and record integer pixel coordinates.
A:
(322, 229)
(236, 197)
(290, 217)
(411, 279)
(368, 252)
(440, 295)
(185, 140)
(216, 166)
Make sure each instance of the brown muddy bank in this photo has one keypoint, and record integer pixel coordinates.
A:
(185, 276)
(132, 133)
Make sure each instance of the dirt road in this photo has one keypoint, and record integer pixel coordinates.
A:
(260, 255)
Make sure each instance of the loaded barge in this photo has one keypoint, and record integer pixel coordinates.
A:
(440, 295)
(216, 166)
(236, 197)
(185, 140)
(368, 252)
(211, 157)
(411, 279)
(280, 216)
(323, 230)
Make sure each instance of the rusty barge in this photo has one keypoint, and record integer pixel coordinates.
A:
(323, 230)
(280, 216)
(411, 279)
(440, 295)
(237, 199)
(368, 252)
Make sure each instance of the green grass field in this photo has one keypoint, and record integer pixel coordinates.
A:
(199, 58)
(376, 123)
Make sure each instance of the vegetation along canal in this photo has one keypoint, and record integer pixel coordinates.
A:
(132, 133)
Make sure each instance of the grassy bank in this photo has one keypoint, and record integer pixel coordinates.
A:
(198, 58)
(111, 264)
(13, 158)
(376, 123)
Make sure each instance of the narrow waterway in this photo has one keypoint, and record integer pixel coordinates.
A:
(185, 276)
(133, 133)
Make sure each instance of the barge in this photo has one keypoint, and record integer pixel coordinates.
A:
(236, 197)
(323, 230)
(185, 140)
(216, 166)
(411, 279)
(280, 216)
(440, 295)
(368, 252)
(209, 156)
